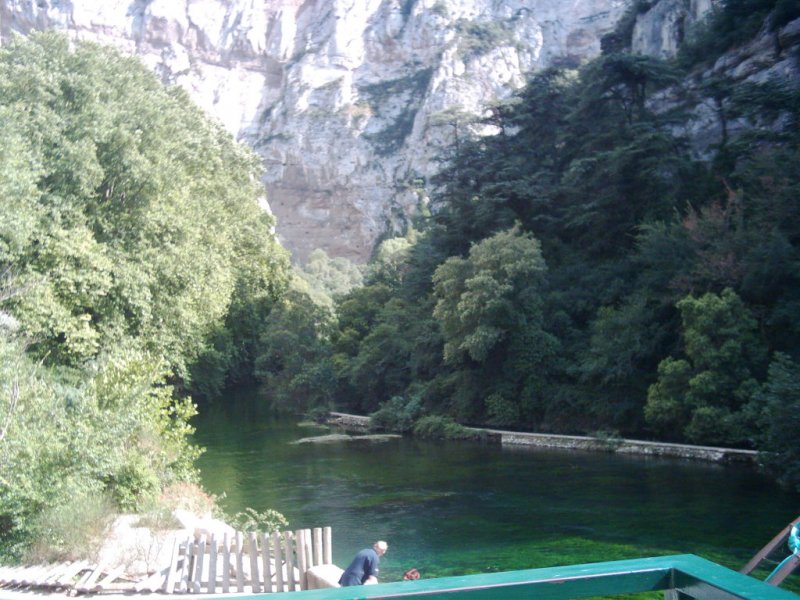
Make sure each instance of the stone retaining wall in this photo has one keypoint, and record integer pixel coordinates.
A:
(576, 442)
(623, 446)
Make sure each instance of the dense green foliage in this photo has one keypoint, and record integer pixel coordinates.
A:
(138, 266)
(585, 270)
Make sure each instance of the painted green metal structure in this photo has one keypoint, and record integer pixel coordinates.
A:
(680, 577)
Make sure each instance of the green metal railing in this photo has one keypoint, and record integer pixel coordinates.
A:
(681, 577)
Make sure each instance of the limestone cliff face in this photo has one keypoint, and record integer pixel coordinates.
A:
(660, 30)
(343, 99)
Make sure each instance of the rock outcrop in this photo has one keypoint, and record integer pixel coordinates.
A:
(343, 99)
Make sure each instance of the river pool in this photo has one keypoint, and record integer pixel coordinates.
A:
(462, 507)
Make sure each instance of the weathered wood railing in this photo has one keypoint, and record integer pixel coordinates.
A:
(244, 562)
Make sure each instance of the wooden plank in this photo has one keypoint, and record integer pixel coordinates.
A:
(317, 560)
(287, 544)
(67, 577)
(153, 583)
(327, 555)
(197, 579)
(109, 578)
(186, 567)
(88, 584)
(239, 562)
(27, 575)
(83, 578)
(53, 570)
(174, 566)
(252, 547)
(226, 564)
(212, 565)
(265, 557)
(300, 552)
(276, 544)
(309, 549)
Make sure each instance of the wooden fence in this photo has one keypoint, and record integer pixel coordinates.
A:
(245, 562)
(242, 562)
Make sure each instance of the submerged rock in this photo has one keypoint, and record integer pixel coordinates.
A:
(343, 437)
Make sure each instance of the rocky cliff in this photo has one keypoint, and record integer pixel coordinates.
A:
(343, 99)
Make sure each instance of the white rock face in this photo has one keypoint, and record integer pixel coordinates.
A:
(660, 31)
(339, 97)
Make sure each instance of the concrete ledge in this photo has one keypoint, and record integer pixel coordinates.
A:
(587, 443)
(624, 446)
(323, 577)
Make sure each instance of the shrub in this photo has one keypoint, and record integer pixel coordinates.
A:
(443, 428)
(252, 520)
(397, 414)
(72, 530)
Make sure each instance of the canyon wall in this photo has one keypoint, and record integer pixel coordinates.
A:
(348, 101)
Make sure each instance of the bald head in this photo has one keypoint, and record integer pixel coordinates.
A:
(380, 547)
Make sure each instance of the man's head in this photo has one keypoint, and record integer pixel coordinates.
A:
(380, 547)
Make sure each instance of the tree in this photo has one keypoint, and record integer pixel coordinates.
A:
(707, 396)
(780, 398)
(140, 212)
(489, 309)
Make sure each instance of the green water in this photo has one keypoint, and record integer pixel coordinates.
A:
(458, 508)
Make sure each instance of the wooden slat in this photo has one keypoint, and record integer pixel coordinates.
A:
(53, 571)
(265, 557)
(212, 565)
(66, 579)
(309, 548)
(287, 544)
(153, 583)
(276, 544)
(27, 575)
(327, 556)
(88, 583)
(197, 575)
(174, 565)
(300, 552)
(239, 562)
(226, 564)
(186, 567)
(317, 560)
(252, 547)
(113, 574)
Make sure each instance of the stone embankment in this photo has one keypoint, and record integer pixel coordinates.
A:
(588, 443)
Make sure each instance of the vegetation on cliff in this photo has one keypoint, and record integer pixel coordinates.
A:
(584, 269)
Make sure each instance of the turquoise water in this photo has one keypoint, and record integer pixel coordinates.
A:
(456, 508)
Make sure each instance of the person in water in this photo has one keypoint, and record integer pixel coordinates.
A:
(365, 566)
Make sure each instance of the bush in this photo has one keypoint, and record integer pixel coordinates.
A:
(397, 414)
(71, 531)
(252, 520)
(444, 428)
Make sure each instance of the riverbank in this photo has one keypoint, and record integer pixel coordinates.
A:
(586, 443)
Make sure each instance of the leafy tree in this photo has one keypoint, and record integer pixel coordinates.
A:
(489, 308)
(124, 181)
(133, 230)
(293, 354)
(707, 395)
